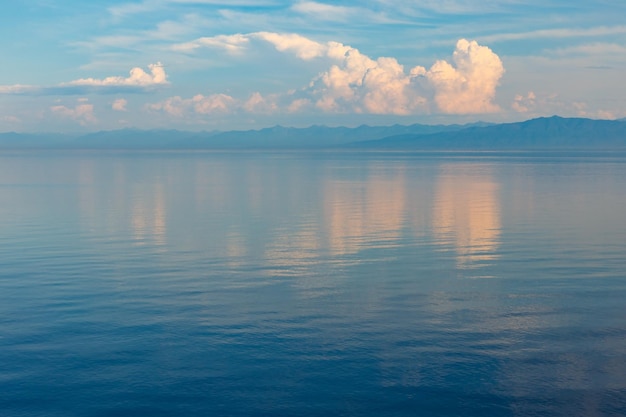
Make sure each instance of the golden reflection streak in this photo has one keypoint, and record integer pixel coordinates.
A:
(361, 213)
(466, 213)
(148, 217)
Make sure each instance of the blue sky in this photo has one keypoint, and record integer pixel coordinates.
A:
(78, 65)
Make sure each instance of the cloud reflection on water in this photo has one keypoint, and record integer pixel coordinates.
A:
(148, 215)
(466, 213)
(365, 213)
(252, 211)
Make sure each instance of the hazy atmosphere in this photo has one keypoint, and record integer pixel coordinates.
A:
(269, 208)
(243, 64)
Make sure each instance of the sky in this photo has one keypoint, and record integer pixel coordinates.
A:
(80, 66)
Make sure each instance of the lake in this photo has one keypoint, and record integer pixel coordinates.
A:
(312, 284)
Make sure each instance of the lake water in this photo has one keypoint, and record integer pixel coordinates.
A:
(312, 284)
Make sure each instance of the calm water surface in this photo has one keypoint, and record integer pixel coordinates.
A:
(294, 284)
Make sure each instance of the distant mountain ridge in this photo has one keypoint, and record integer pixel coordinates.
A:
(542, 133)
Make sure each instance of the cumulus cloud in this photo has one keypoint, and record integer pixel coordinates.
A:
(82, 113)
(216, 105)
(359, 83)
(301, 46)
(137, 78)
(355, 82)
(256, 103)
(468, 86)
(299, 105)
(524, 104)
(138, 81)
(582, 110)
(119, 104)
(199, 104)
(536, 104)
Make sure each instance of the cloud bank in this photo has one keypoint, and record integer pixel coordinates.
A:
(355, 82)
(82, 112)
(138, 81)
(137, 78)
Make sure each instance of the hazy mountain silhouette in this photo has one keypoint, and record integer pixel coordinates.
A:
(273, 137)
(542, 133)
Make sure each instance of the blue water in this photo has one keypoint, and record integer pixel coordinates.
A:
(312, 284)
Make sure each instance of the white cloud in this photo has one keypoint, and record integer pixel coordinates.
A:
(357, 83)
(124, 10)
(82, 113)
(598, 49)
(583, 33)
(608, 114)
(582, 110)
(230, 43)
(199, 104)
(147, 6)
(299, 105)
(137, 78)
(137, 81)
(323, 11)
(470, 85)
(537, 104)
(302, 47)
(256, 103)
(215, 103)
(174, 106)
(361, 15)
(227, 2)
(119, 104)
(17, 89)
(524, 104)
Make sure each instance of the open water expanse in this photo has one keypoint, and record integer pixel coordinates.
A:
(312, 284)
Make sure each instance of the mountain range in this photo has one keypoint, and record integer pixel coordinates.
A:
(542, 133)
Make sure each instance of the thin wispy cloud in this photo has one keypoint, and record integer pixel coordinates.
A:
(462, 7)
(347, 14)
(560, 33)
(17, 89)
(129, 9)
(230, 43)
